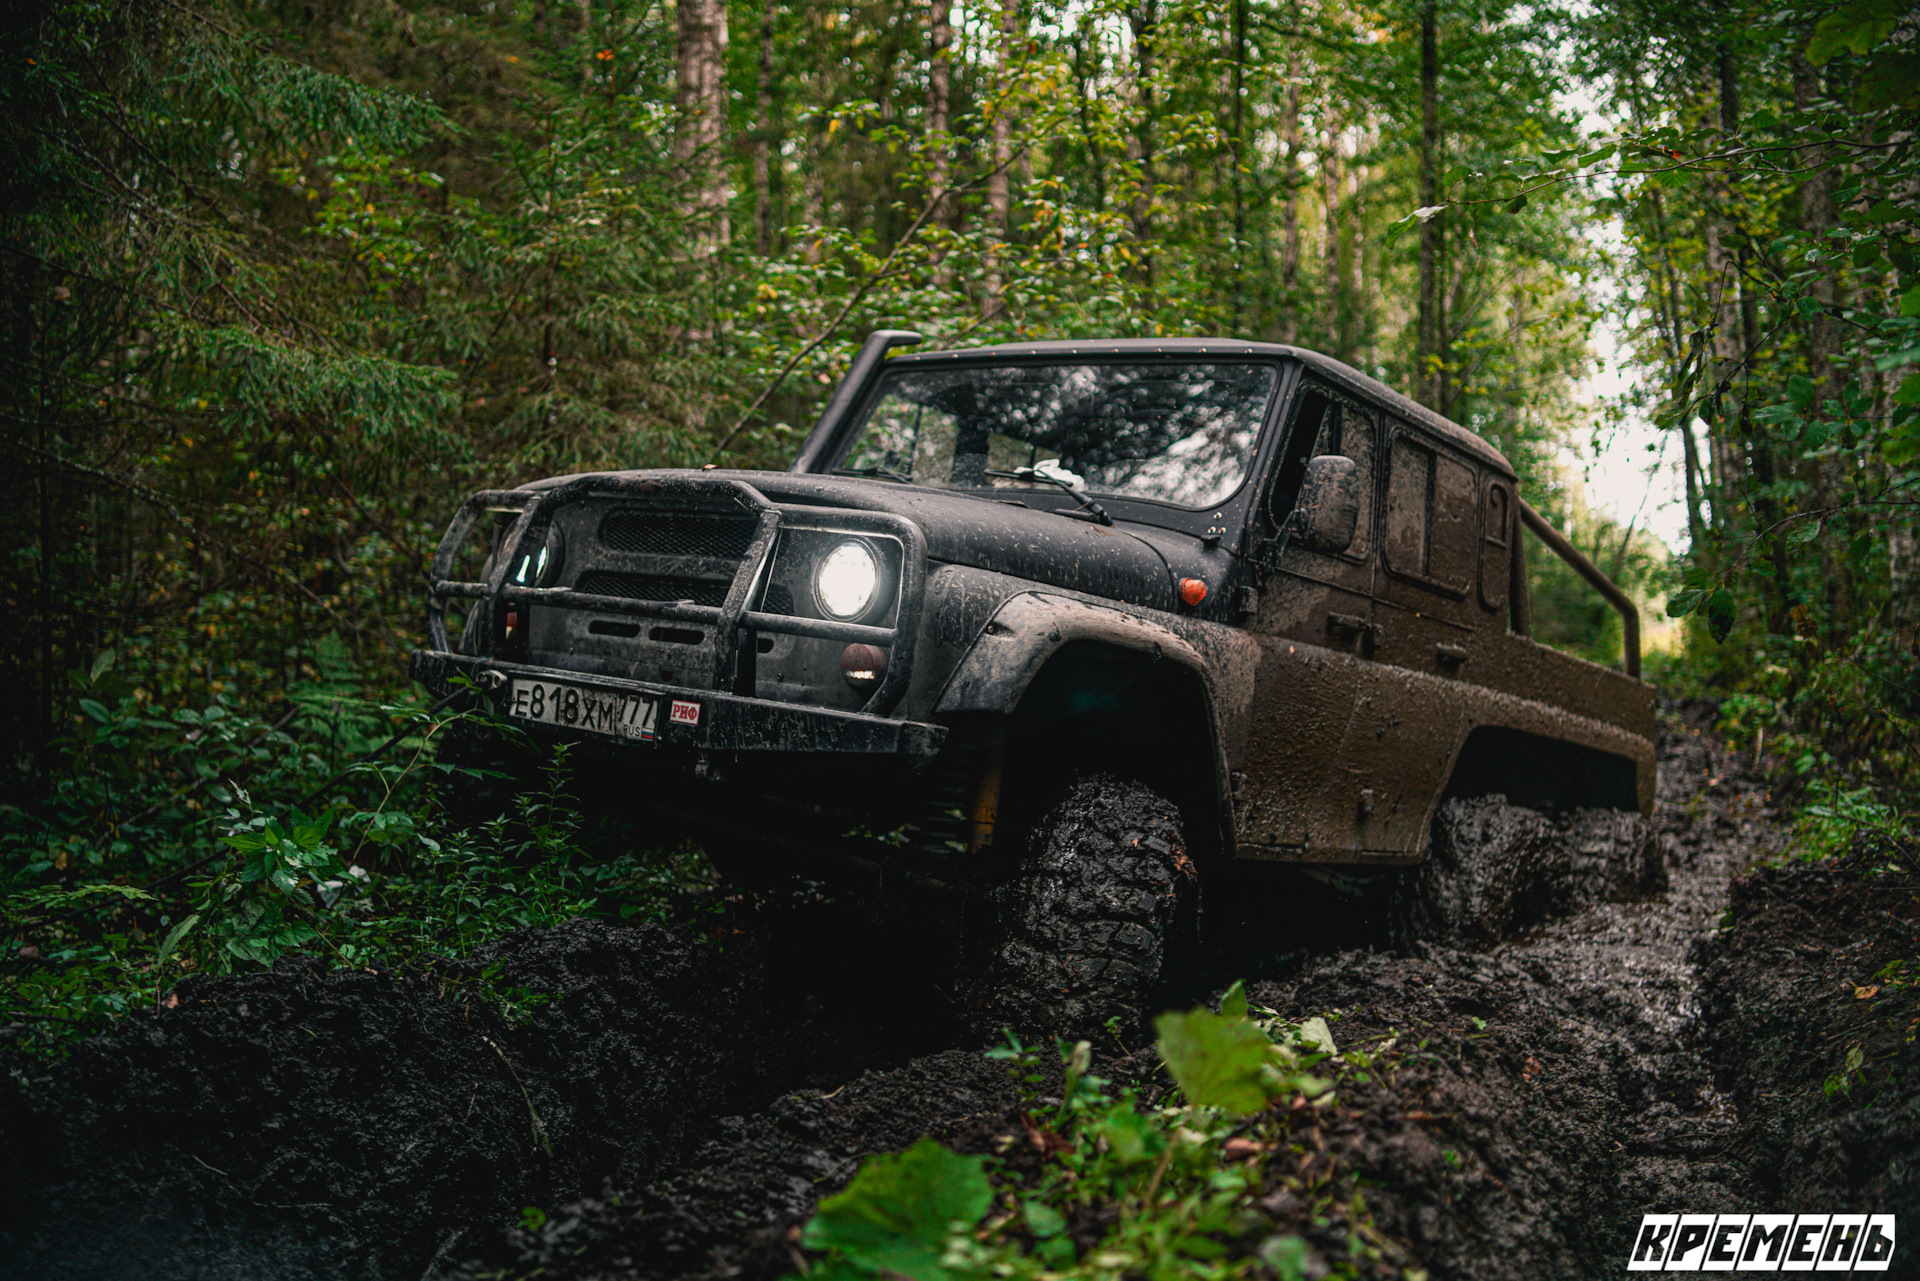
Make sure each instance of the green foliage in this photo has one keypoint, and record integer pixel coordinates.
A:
(896, 1215)
(1833, 821)
(1221, 1060)
(1852, 1072)
(189, 842)
(1169, 1190)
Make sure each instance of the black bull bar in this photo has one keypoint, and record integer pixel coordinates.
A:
(738, 721)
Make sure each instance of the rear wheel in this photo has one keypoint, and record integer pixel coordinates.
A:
(1087, 921)
(1495, 869)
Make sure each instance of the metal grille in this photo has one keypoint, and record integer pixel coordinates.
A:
(668, 532)
(701, 591)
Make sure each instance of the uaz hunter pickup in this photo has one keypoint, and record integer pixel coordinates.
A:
(1071, 629)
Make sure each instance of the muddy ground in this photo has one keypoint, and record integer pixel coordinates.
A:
(677, 1107)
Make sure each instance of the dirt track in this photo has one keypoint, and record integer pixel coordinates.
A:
(677, 1108)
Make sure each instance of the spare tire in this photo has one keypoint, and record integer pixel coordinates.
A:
(1087, 919)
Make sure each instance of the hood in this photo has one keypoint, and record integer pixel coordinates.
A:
(1062, 551)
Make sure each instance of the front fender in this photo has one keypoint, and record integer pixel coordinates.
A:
(1031, 628)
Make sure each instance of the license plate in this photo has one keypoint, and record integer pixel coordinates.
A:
(601, 711)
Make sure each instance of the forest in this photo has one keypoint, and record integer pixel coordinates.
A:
(282, 281)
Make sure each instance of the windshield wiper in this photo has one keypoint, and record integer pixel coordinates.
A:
(1094, 509)
(882, 472)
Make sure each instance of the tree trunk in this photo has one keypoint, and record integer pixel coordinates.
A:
(1330, 309)
(700, 95)
(1429, 376)
(1359, 310)
(765, 137)
(939, 96)
(1237, 119)
(1290, 207)
(999, 197)
(1140, 144)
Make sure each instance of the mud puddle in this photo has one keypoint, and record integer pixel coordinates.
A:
(677, 1109)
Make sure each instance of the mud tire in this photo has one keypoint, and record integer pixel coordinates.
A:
(1105, 887)
(1495, 869)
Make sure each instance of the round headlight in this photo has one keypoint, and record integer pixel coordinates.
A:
(542, 568)
(845, 582)
(553, 556)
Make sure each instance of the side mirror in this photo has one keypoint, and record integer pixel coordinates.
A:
(1324, 518)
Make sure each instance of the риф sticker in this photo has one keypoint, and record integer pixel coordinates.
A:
(1762, 1243)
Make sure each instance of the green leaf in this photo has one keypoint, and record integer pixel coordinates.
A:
(1910, 302)
(1218, 1059)
(1518, 203)
(1316, 1035)
(1043, 1220)
(1720, 614)
(174, 937)
(95, 710)
(1800, 392)
(1805, 533)
(1908, 392)
(1131, 1138)
(897, 1213)
(101, 666)
(1680, 604)
(1855, 29)
(1233, 1003)
(1905, 356)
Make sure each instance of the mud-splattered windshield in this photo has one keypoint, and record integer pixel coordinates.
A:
(1176, 432)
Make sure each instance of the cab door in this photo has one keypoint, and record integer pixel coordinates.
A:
(1313, 619)
(1426, 614)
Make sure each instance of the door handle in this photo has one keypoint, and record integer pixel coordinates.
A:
(1371, 635)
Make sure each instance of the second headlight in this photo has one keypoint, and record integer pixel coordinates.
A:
(846, 579)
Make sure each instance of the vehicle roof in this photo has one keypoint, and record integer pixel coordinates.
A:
(1342, 376)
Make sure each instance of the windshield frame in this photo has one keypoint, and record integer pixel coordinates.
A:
(1149, 511)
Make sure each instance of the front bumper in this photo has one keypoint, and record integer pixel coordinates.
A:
(727, 722)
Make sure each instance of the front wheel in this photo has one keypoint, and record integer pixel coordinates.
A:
(1086, 921)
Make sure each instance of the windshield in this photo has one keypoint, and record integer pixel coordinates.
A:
(1175, 432)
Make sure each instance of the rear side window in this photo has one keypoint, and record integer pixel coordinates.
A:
(1496, 545)
(1432, 515)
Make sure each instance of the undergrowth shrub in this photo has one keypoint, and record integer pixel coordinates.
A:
(206, 840)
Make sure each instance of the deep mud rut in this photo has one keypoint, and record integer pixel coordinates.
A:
(677, 1108)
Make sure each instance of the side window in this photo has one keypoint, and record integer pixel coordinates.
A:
(1496, 545)
(1314, 416)
(1432, 515)
(1356, 441)
(1323, 425)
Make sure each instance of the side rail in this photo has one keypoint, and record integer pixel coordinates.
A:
(1621, 602)
(730, 619)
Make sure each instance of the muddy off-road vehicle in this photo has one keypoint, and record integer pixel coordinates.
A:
(1067, 630)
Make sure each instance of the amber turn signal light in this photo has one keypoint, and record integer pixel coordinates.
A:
(1193, 590)
(863, 665)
